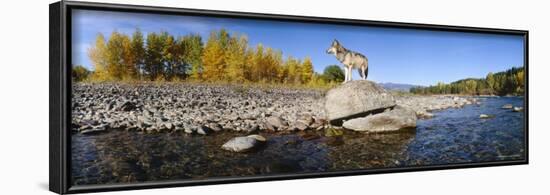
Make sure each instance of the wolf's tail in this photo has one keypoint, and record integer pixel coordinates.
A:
(366, 73)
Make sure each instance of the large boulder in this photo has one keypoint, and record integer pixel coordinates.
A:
(356, 99)
(396, 119)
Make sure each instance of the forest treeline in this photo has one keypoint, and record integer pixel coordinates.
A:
(509, 82)
(224, 57)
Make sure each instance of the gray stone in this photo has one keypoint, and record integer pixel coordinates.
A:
(145, 121)
(110, 105)
(395, 119)
(85, 127)
(187, 129)
(507, 106)
(486, 116)
(300, 125)
(269, 127)
(203, 130)
(320, 128)
(215, 127)
(518, 109)
(252, 129)
(424, 114)
(168, 125)
(305, 118)
(315, 125)
(232, 117)
(258, 137)
(95, 129)
(356, 98)
(243, 144)
(276, 122)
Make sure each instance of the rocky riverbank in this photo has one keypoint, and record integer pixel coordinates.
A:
(193, 108)
(205, 109)
(425, 105)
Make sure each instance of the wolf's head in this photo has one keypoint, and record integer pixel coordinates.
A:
(334, 47)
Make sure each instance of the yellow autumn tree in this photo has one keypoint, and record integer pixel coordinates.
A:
(98, 55)
(520, 80)
(292, 66)
(213, 57)
(224, 57)
(129, 71)
(249, 64)
(256, 69)
(115, 56)
(306, 70)
(272, 62)
(235, 58)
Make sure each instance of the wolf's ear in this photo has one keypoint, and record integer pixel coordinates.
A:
(335, 42)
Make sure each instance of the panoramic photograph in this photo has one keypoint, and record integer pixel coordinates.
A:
(159, 97)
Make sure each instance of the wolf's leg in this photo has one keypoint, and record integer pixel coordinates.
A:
(364, 75)
(350, 73)
(345, 74)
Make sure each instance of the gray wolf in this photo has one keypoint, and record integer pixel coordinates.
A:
(350, 59)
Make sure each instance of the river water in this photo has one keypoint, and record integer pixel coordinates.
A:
(452, 136)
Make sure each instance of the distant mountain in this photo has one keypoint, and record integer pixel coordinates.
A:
(397, 86)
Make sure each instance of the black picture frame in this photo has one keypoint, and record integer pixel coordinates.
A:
(60, 93)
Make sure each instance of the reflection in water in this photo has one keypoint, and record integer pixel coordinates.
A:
(453, 136)
(125, 156)
(360, 151)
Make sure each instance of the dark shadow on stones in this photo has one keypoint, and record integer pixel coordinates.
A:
(409, 130)
(340, 121)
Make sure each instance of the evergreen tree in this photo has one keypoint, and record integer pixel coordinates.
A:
(153, 56)
(509, 82)
(79, 73)
(333, 73)
(192, 47)
(170, 52)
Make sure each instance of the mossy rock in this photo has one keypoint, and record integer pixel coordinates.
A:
(331, 132)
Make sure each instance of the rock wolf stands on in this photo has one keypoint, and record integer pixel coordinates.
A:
(350, 59)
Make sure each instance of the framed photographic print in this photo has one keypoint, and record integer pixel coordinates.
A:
(147, 97)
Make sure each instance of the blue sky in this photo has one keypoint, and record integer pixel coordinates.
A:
(395, 55)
